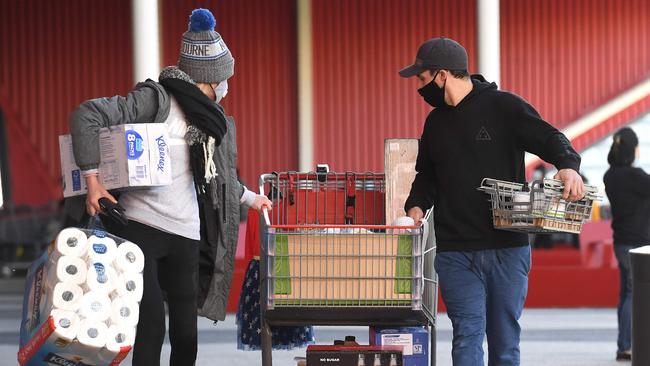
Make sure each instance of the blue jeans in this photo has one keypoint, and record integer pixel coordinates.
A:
(625, 298)
(485, 292)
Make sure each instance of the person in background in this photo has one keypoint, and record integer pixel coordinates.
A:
(477, 131)
(187, 230)
(628, 190)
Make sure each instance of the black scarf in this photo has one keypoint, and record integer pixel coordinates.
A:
(204, 115)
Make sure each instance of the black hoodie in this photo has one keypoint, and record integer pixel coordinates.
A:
(484, 136)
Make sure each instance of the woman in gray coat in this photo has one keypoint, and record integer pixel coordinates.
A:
(193, 222)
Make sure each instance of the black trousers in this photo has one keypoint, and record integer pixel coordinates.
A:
(171, 269)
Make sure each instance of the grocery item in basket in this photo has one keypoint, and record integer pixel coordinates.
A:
(101, 249)
(92, 335)
(521, 209)
(128, 285)
(66, 323)
(67, 269)
(66, 296)
(557, 208)
(129, 258)
(70, 241)
(403, 221)
(124, 312)
(95, 306)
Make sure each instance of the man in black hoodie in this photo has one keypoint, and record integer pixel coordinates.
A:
(477, 131)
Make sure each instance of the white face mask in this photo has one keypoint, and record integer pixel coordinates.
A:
(221, 90)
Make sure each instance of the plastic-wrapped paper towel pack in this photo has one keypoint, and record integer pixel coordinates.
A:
(81, 303)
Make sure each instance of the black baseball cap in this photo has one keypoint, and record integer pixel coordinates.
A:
(437, 54)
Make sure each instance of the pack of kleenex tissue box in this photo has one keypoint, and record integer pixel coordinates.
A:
(81, 301)
(132, 155)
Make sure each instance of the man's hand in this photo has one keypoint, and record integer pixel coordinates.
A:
(416, 214)
(574, 188)
(95, 191)
(261, 202)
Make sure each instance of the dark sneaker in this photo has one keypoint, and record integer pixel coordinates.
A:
(624, 356)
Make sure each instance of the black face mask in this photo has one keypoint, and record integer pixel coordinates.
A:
(433, 94)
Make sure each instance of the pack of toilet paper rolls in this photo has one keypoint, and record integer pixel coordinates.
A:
(81, 301)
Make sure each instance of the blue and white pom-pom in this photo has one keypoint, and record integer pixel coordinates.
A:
(202, 20)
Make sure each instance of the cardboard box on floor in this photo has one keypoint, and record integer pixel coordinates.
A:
(399, 165)
(415, 341)
(132, 156)
(354, 355)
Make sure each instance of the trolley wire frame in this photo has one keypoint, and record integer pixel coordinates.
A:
(327, 257)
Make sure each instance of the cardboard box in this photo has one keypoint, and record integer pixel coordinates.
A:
(399, 165)
(354, 355)
(415, 341)
(350, 269)
(132, 156)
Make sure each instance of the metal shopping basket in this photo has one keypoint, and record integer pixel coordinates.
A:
(538, 208)
(328, 257)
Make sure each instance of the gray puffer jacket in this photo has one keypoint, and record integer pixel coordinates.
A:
(148, 102)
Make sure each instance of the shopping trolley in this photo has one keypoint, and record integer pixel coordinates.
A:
(328, 257)
(538, 208)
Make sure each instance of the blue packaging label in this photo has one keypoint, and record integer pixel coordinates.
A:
(134, 145)
(54, 359)
(76, 180)
(101, 273)
(99, 248)
(161, 153)
(99, 233)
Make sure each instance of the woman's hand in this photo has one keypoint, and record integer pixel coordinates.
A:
(95, 191)
(261, 202)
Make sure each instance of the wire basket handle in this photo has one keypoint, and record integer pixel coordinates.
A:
(557, 186)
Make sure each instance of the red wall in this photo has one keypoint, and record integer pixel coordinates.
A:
(565, 57)
(262, 94)
(359, 46)
(55, 55)
(569, 57)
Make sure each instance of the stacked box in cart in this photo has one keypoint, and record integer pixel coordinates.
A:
(131, 155)
(415, 341)
(351, 269)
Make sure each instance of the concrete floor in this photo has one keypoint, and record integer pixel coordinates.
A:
(556, 337)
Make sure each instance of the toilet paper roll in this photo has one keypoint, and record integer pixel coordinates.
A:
(403, 221)
(67, 269)
(95, 306)
(129, 258)
(125, 312)
(67, 296)
(92, 335)
(101, 249)
(129, 285)
(66, 324)
(117, 337)
(72, 242)
(120, 336)
(101, 277)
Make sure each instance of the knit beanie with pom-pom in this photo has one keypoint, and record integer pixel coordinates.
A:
(204, 55)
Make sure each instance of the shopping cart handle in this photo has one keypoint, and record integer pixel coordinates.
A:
(265, 178)
(267, 220)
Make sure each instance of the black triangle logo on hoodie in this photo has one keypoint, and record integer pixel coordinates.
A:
(483, 135)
